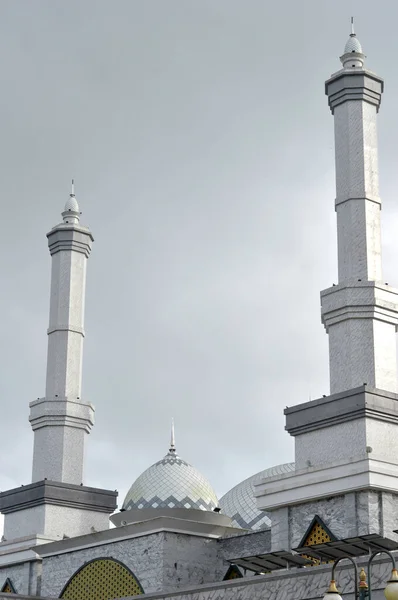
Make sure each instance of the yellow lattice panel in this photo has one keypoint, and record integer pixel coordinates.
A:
(317, 535)
(102, 579)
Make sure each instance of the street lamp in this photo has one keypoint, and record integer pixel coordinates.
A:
(362, 591)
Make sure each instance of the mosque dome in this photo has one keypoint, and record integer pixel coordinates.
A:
(353, 45)
(171, 483)
(240, 504)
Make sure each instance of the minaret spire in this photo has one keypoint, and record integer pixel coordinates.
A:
(352, 26)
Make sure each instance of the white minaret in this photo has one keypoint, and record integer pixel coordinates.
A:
(61, 419)
(346, 444)
(360, 314)
(57, 504)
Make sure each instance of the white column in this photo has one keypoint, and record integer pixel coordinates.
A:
(360, 314)
(61, 420)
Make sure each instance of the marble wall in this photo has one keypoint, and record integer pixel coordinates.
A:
(296, 584)
(348, 515)
(247, 544)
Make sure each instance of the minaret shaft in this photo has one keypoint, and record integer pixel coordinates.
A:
(357, 191)
(65, 332)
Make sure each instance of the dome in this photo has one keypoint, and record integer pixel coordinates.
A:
(353, 45)
(171, 483)
(240, 504)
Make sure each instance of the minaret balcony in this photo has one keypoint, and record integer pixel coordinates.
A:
(359, 300)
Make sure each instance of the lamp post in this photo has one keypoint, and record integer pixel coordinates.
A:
(362, 590)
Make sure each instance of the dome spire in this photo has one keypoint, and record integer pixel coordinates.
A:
(352, 26)
(172, 438)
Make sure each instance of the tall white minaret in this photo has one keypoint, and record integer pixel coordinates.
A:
(61, 420)
(346, 444)
(360, 314)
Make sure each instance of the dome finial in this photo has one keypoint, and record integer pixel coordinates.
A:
(353, 56)
(172, 438)
(73, 188)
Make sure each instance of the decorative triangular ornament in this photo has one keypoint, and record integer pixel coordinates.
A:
(8, 587)
(317, 533)
(232, 573)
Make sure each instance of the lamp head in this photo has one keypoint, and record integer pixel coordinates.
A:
(333, 594)
(391, 591)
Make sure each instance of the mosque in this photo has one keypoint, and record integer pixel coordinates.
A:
(275, 534)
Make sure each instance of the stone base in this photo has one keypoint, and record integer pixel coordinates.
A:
(346, 468)
(348, 515)
(55, 510)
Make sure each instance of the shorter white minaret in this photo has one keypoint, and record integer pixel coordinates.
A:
(61, 420)
(57, 504)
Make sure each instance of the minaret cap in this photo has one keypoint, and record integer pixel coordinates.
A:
(353, 55)
(71, 212)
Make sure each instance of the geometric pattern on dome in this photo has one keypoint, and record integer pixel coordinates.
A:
(240, 504)
(353, 45)
(171, 483)
(101, 579)
(8, 587)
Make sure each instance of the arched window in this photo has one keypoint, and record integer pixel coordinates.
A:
(101, 579)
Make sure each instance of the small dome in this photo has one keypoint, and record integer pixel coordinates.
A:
(171, 483)
(71, 204)
(353, 45)
(240, 504)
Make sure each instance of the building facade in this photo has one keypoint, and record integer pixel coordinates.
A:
(274, 534)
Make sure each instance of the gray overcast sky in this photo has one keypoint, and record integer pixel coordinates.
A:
(201, 143)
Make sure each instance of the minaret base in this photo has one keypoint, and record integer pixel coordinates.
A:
(347, 515)
(346, 448)
(55, 510)
(60, 426)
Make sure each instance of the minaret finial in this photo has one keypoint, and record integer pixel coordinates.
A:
(353, 56)
(71, 212)
(172, 438)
